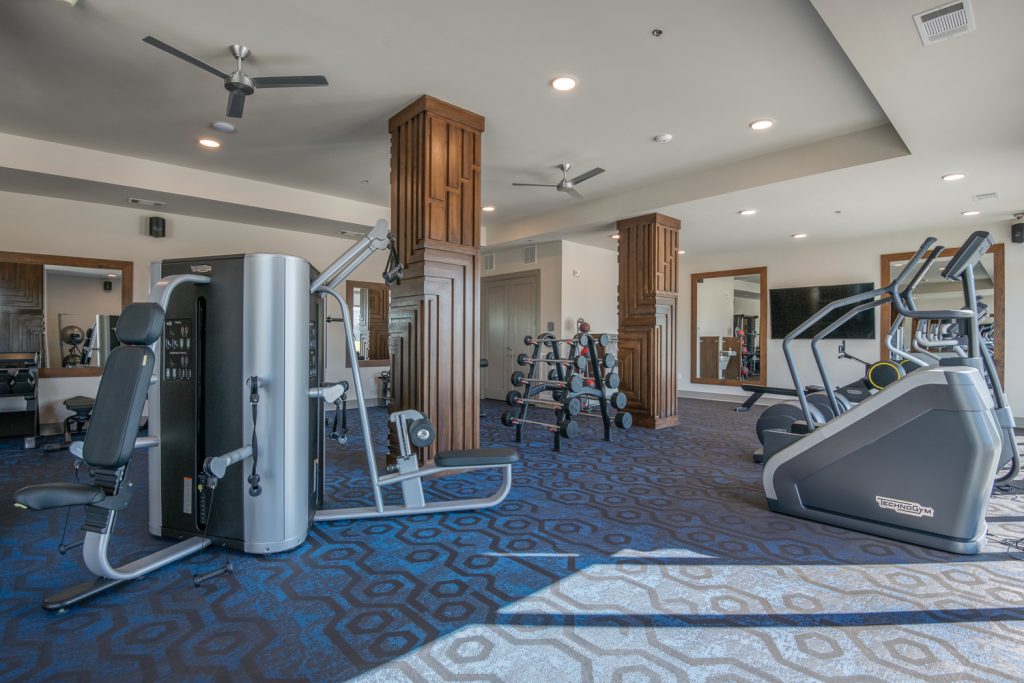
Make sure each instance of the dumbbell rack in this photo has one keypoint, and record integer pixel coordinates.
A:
(571, 390)
(18, 373)
(596, 384)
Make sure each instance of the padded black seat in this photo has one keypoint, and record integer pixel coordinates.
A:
(80, 404)
(49, 496)
(476, 457)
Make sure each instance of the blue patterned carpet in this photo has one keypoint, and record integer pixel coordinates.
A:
(651, 558)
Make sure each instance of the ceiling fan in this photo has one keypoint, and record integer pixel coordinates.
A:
(237, 83)
(567, 184)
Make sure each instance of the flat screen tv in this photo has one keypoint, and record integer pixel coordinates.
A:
(790, 307)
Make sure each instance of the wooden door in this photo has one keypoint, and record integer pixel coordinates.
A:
(21, 307)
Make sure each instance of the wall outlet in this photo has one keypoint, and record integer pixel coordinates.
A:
(551, 327)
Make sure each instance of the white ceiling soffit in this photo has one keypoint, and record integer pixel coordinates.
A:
(78, 189)
(82, 76)
(53, 169)
(973, 127)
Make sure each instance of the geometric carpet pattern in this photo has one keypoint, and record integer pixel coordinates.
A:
(651, 558)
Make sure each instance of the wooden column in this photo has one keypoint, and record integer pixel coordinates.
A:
(648, 297)
(435, 312)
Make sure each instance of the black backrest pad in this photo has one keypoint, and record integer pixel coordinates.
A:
(967, 255)
(119, 400)
(140, 323)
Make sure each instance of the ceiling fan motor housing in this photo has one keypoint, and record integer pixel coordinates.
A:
(239, 82)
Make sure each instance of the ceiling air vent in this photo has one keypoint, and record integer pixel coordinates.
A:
(944, 22)
(488, 261)
(530, 254)
(986, 196)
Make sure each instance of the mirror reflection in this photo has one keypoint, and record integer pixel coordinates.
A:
(370, 303)
(728, 319)
(937, 293)
(81, 306)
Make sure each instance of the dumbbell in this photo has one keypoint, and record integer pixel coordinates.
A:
(618, 400)
(567, 428)
(23, 382)
(604, 340)
(623, 420)
(530, 341)
(571, 406)
(574, 383)
(609, 361)
(580, 362)
(612, 380)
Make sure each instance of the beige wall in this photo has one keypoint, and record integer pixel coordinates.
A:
(590, 288)
(31, 223)
(806, 263)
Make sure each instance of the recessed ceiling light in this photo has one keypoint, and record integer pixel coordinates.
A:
(209, 143)
(564, 83)
(748, 212)
(897, 265)
(223, 126)
(762, 124)
(487, 208)
(682, 251)
(950, 177)
(111, 274)
(615, 237)
(799, 236)
(972, 212)
(663, 138)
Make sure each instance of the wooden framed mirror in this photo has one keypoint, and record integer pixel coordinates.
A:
(935, 292)
(64, 308)
(729, 309)
(370, 303)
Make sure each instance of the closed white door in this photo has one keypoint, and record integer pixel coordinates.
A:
(509, 310)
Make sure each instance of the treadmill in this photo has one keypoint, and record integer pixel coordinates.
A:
(913, 463)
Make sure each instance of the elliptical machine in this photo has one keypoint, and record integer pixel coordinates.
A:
(915, 462)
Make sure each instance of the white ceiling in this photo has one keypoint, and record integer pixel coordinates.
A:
(82, 76)
(958, 105)
(832, 73)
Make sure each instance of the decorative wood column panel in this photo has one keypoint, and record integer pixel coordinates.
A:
(648, 298)
(21, 307)
(435, 312)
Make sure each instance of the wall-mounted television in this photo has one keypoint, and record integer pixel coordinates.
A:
(792, 306)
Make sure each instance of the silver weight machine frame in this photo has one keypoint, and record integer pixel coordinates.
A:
(408, 474)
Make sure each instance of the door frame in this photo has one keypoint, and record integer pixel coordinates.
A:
(534, 274)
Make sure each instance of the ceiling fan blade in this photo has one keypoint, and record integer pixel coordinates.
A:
(183, 55)
(288, 81)
(236, 102)
(587, 176)
(573, 193)
(532, 185)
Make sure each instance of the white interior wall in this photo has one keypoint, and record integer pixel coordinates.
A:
(31, 223)
(805, 263)
(590, 288)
